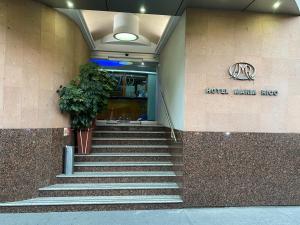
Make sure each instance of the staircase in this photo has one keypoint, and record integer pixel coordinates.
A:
(131, 167)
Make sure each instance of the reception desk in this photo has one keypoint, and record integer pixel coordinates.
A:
(125, 108)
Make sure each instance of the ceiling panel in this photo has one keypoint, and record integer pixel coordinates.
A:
(215, 4)
(78, 4)
(219, 4)
(163, 7)
(177, 7)
(286, 7)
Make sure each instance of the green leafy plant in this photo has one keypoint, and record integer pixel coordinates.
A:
(86, 96)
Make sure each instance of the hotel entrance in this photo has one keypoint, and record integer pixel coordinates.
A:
(204, 112)
(134, 96)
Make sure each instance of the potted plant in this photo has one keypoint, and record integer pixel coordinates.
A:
(83, 98)
(98, 84)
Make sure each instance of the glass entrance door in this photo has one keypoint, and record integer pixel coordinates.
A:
(130, 100)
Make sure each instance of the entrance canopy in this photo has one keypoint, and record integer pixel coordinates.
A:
(177, 7)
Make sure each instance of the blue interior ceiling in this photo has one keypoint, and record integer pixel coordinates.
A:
(125, 65)
(107, 63)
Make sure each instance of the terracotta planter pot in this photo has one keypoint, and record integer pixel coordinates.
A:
(84, 141)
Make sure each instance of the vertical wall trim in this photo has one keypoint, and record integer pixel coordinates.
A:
(174, 20)
(78, 18)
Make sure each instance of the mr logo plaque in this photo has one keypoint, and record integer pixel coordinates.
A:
(242, 71)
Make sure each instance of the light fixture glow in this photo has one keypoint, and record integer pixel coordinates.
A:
(142, 9)
(70, 4)
(125, 63)
(142, 63)
(126, 37)
(276, 5)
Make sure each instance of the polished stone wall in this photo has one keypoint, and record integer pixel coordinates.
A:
(40, 49)
(241, 169)
(217, 39)
(177, 156)
(29, 159)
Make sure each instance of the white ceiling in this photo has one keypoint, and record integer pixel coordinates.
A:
(100, 24)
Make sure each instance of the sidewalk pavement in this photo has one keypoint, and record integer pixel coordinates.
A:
(202, 216)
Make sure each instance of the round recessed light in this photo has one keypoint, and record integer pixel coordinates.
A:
(276, 5)
(227, 133)
(126, 37)
(142, 9)
(70, 4)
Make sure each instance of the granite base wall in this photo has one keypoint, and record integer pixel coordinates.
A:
(29, 159)
(177, 156)
(240, 169)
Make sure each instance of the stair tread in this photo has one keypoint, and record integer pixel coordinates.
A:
(117, 164)
(129, 132)
(109, 186)
(120, 174)
(121, 154)
(131, 146)
(129, 139)
(96, 200)
(127, 122)
(127, 125)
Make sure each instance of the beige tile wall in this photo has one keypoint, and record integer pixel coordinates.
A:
(217, 39)
(40, 49)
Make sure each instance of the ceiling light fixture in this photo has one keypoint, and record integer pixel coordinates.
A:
(276, 5)
(126, 27)
(126, 37)
(70, 4)
(142, 9)
(126, 63)
(142, 63)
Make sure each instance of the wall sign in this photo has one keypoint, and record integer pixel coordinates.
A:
(224, 91)
(242, 71)
(244, 92)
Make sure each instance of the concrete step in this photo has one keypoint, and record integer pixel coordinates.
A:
(109, 186)
(131, 148)
(131, 134)
(124, 156)
(123, 166)
(119, 177)
(130, 141)
(109, 189)
(96, 200)
(92, 203)
(107, 122)
(129, 127)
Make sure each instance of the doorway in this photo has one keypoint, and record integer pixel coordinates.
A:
(133, 99)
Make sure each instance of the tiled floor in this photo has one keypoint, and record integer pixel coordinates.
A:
(207, 216)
